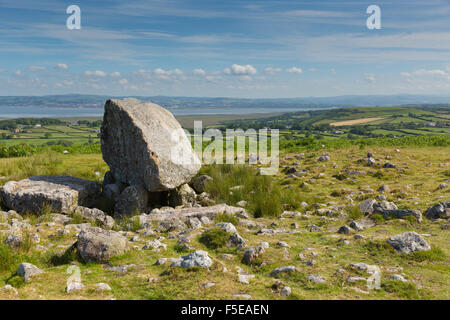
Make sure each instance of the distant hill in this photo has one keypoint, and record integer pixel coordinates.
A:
(97, 101)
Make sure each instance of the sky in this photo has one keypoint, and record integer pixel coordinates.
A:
(224, 48)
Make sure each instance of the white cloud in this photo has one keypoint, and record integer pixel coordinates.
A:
(115, 74)
(312, 69)
(199, 72)
(97, 73)
(424, 72)
(245, 78)
(35, 68)
(369, 77)
(18, 73)
(123, 81)
(240, 70)
(62, 66)
(294, 70)
(162, 72)
(333, 71)
(272, 71)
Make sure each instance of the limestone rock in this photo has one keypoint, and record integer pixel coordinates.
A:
(133, 199)
(366, 206)
(287, 269)
(197, 258)
(27, 271)
(200, 182)
(98, 245)
(144, 144)
(181, 196)
(408, 242)
(60, 192)
(95, 215)
(439, 211)
(251, 254)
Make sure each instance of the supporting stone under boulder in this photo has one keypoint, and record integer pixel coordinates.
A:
(62, 193)
(144, 144)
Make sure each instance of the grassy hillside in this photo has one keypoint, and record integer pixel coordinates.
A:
(414, 187)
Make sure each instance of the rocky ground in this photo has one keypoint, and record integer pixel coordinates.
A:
(362, 213)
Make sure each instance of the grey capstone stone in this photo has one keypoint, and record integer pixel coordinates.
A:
(144, 144)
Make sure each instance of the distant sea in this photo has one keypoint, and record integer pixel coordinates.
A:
(10, 112)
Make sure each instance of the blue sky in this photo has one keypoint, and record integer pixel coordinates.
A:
(235, 48)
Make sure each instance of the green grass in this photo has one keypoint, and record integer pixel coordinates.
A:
(214, 238)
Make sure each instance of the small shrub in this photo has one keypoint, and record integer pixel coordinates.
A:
(16, 281)
(376, 248)
(354, 213)
(7, 256)
(214, 238)
(77, 218)
(225, 217)
(402, 289)
(378, 218)
(435, 254)
(70, 255)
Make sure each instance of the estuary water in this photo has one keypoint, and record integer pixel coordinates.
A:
(11, 112)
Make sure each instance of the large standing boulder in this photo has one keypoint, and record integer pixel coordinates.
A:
(60, 192)
(99, 245)
(144, 144)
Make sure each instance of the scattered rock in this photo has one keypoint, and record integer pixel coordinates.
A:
(10, 288)
(27, 271)
(315, 278)
(14, 240)
(439, 211)
(285, 292)
(102, 287)
(287, 269)
(408, 242)
(366, 206)
(200, 182)
(345, 229)
(198, 258)
(74, 286)
(398, 277)
(95, 215)
(98, 245)
(251, 254)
